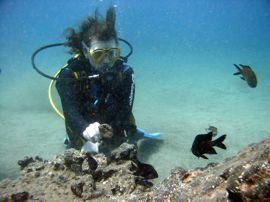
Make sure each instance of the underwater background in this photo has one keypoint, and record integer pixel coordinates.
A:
(183, 59)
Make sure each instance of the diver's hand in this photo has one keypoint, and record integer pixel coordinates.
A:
(92, 132)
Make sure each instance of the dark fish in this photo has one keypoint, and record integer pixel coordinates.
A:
(145, 170)
(203, 144)
(248, 74)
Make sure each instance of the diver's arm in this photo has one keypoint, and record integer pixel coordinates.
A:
(68, 94)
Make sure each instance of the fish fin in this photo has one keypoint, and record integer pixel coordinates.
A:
(236, 73)
(212, 151)
(218, 142)
(242, 78)
(239, 70)
(237, 67)
(204, 157)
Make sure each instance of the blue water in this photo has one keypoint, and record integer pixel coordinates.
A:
(183, 56)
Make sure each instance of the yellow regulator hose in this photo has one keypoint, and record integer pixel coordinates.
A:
(50, 96)
(50, 91)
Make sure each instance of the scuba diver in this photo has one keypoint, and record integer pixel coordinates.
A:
(97, 88)
(104, 102)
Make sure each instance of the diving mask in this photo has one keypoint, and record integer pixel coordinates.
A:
(102, 55)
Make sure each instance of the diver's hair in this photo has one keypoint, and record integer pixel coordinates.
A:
(93, 27)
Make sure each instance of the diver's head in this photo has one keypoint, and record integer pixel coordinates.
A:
(97, 40)
(102, 54)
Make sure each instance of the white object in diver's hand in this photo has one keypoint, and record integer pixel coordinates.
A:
(92, 132)
(146, 134)
(90, 147)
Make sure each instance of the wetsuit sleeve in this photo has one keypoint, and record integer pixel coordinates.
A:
(68, 91)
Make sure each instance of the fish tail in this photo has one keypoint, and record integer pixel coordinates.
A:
(239, 70)
(218, 142)
(204, 157)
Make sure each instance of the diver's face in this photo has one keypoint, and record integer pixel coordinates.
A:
(102, 54)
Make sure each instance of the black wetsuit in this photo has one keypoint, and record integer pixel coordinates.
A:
(86, 101)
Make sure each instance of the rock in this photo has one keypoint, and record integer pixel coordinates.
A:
(39, 166)
(90, 184)
(60, 159)
(251, 181)
(115, 189)
(4, 198)
(20, 196)
(76, 168)
(210, 165)
(51, 174)
(73, 159)
(38, 158)
(86, 167)
(76, 176)
(108, 172)
(28, 170)
(87, 182)
(5, 183)
(37, 174)
(89, 164)
(123, 152)
(104, 173)
(143, 181)
(23, 163)
(57, 166)
(62, 179)
(93, 195)
(73, 156)
(89, 188)
(77, 188)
